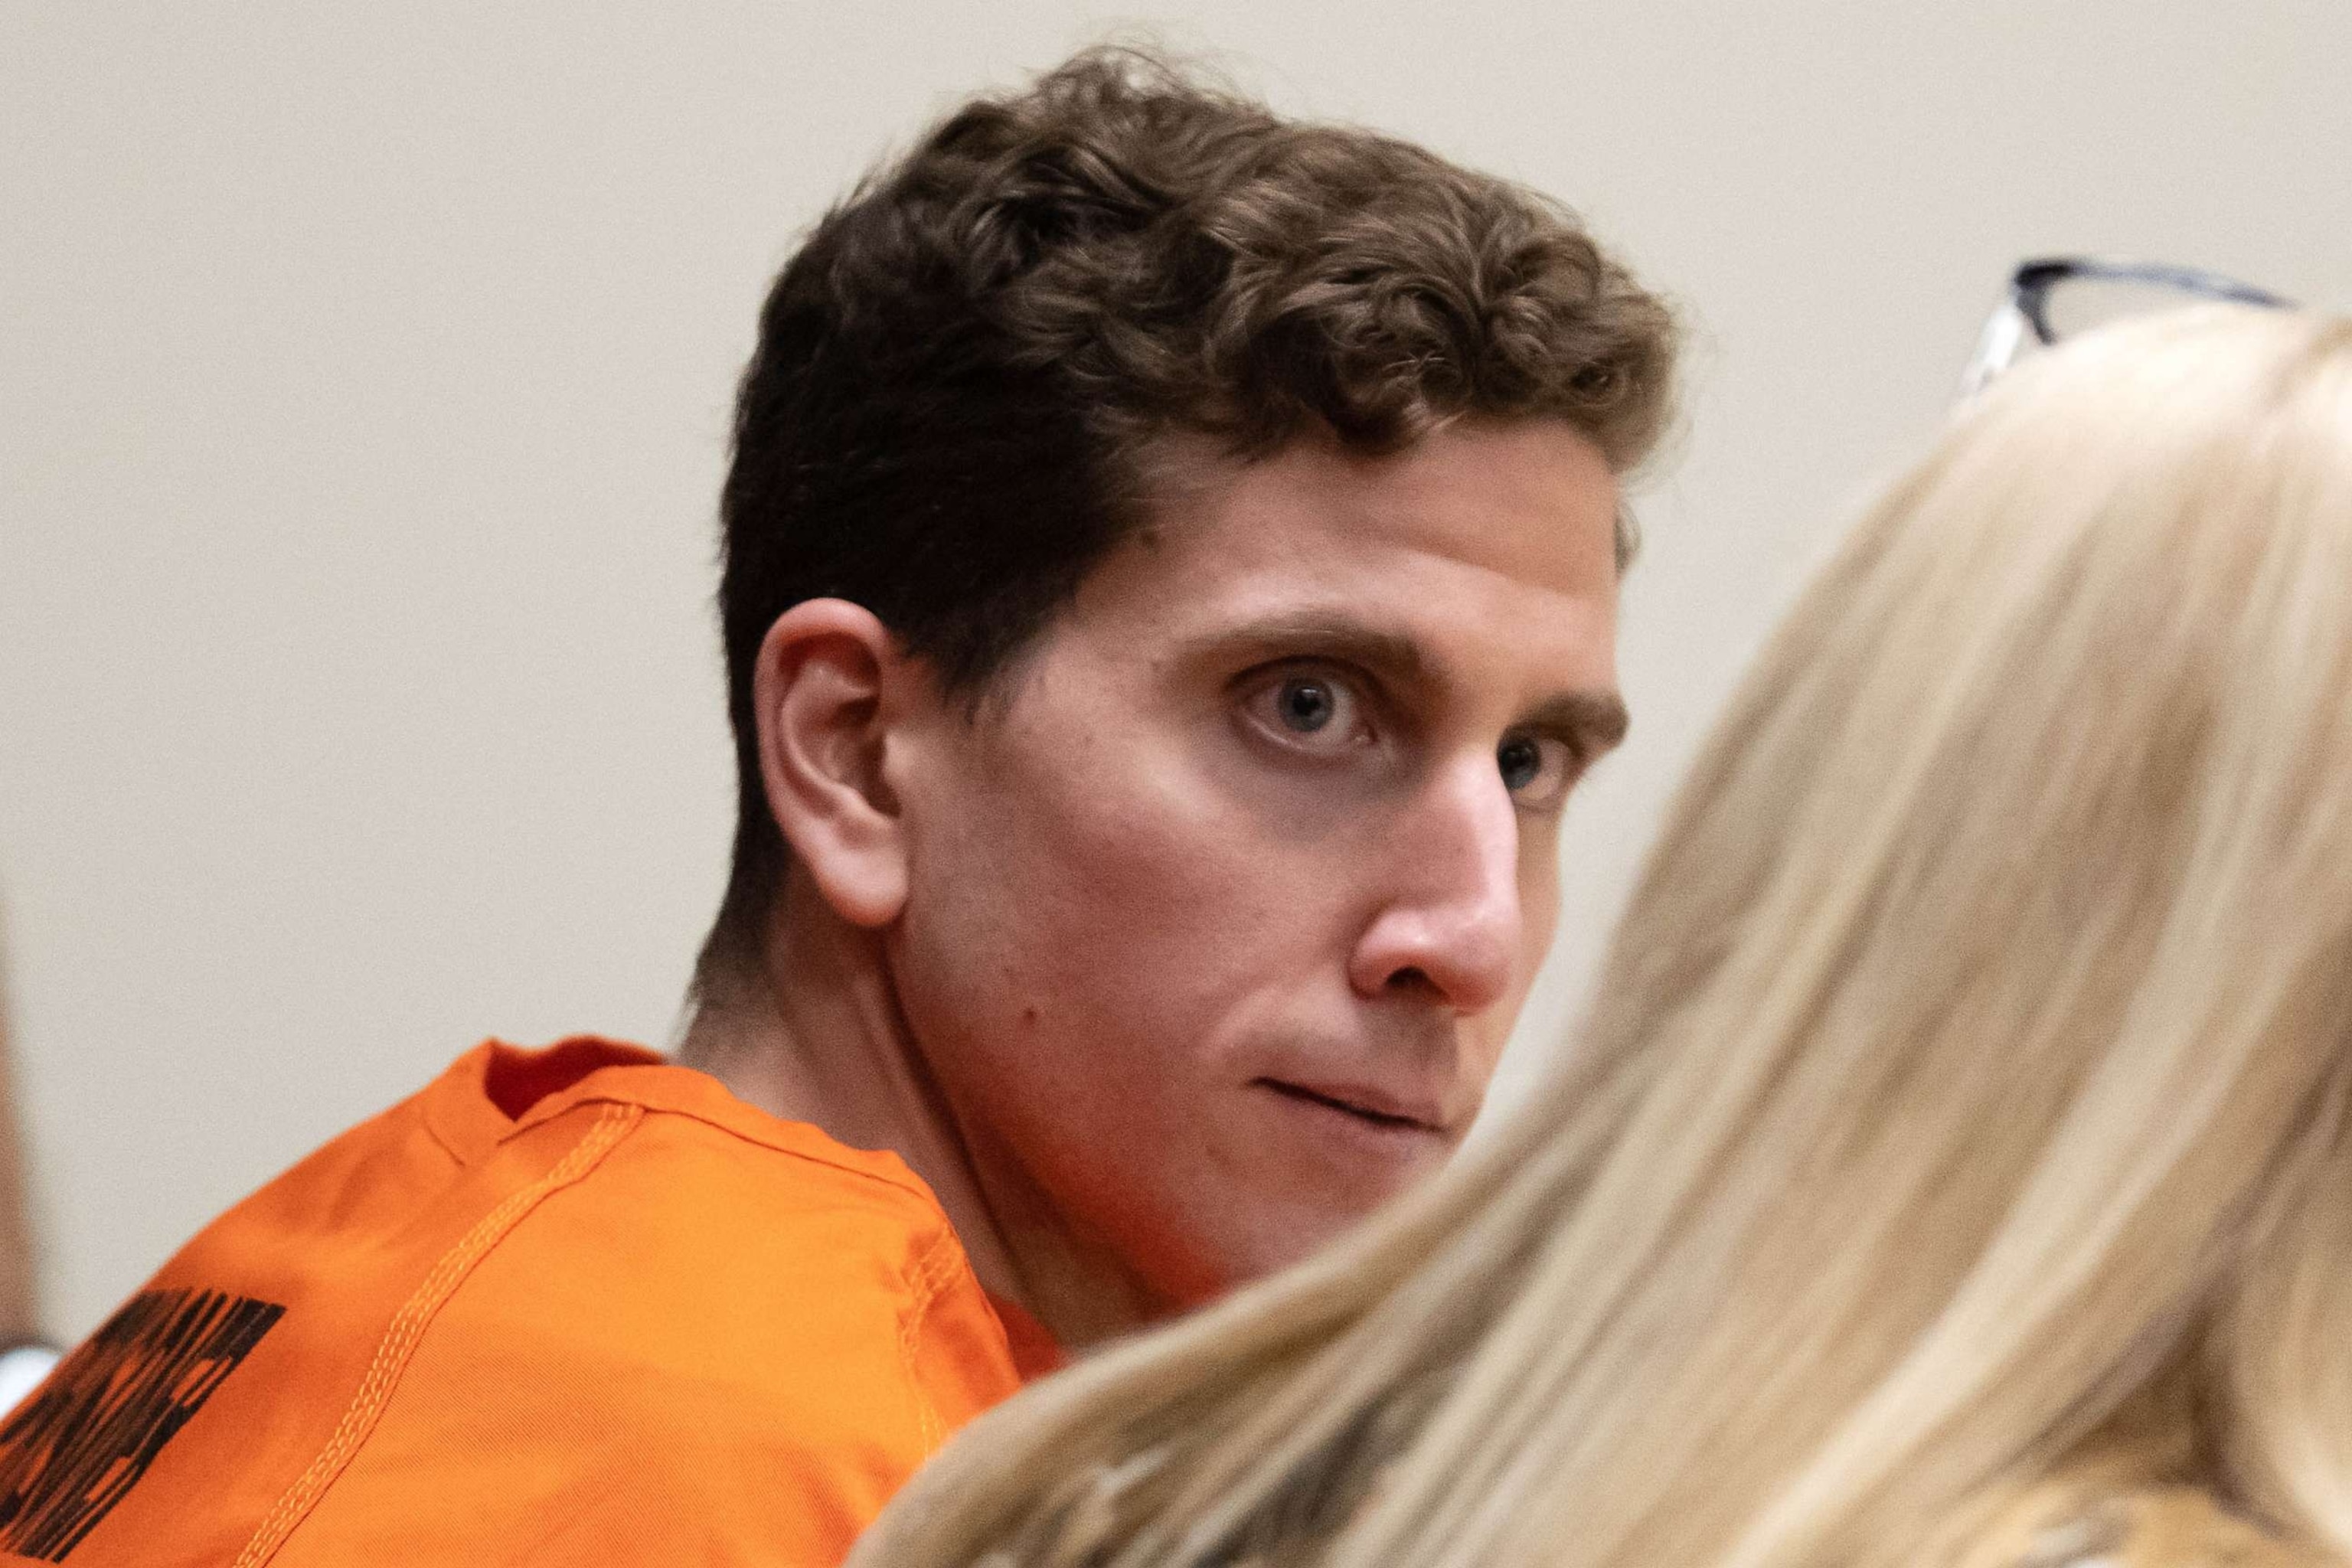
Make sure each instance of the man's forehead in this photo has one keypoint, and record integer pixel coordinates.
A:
(1531, 499)
(1476, 569)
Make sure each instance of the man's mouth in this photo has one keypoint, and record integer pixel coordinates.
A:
(1363, 1104)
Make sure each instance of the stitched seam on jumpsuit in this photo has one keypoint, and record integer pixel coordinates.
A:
(931, 1273)
(408, 1326)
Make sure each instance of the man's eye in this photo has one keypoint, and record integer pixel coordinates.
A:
(1536, 769)
(1311, 712)
(1305, 706)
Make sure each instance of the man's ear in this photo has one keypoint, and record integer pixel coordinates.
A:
(818, 694)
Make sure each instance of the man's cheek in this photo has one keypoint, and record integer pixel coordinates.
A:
(1538, 904)
(1148, 902)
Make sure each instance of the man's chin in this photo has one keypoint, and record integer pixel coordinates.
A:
(1290, 1178)
(1274, 1236)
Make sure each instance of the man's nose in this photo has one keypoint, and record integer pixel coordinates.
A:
(1450, 924)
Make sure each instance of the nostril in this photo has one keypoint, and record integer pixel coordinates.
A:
(1411, 978)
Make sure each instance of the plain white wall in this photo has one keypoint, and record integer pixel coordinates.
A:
(363, 394)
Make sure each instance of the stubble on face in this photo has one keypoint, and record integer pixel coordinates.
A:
(1221, 909)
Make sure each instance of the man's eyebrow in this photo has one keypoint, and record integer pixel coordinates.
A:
(1315, 634)
(1591, 721)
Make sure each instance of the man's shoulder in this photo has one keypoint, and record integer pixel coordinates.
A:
(732, 1315)
(754, 1345)
(695, 1138)
(707, 1242)
(476, 1325)
(710, 1224)
(619, 1167)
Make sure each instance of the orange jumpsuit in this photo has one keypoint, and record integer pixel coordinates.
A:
(571, 1306)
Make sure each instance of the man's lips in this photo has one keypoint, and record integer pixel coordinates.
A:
(1372, 1105)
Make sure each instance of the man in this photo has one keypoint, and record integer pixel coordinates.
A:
(1170, 592)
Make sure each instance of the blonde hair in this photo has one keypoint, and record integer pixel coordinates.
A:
(1961, 1127)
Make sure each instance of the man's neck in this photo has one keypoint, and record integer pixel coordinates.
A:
(809, 1028)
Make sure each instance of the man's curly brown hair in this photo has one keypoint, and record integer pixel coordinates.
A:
(963, 376)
